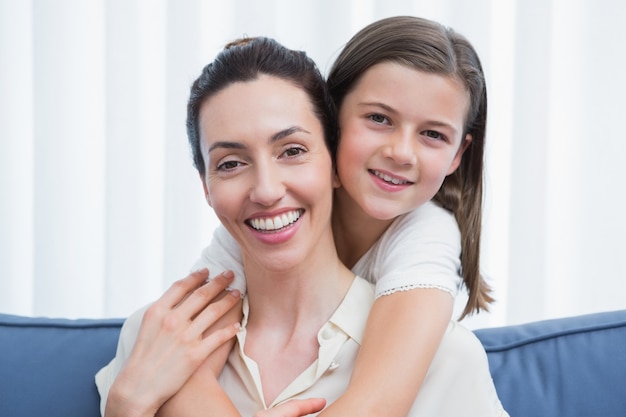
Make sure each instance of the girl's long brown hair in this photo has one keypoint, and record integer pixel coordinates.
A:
(431, 47)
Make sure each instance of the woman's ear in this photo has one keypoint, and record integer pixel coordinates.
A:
(459, 154)
(207, 196)
(336, 181)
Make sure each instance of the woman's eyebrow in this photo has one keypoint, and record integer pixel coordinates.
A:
(227, 145)
(286, 132)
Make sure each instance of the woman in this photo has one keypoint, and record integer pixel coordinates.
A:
(263, 121)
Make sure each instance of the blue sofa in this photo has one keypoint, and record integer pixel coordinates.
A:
(570, 367)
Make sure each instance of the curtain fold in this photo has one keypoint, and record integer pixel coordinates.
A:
(101, 208)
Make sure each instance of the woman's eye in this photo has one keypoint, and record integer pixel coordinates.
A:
(295, 151)
(378, 118)
(228, 165)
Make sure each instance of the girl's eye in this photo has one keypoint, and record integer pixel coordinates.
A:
(294, 151)
(434, 134)
(378, 118)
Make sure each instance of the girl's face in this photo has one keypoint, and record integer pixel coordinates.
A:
(269, 175)
(401, 135)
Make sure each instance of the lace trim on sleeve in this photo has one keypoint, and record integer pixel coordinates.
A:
(414, 286)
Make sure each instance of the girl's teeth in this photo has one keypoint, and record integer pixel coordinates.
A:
(387, 178)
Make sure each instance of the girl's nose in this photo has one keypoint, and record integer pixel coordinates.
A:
(401, 149)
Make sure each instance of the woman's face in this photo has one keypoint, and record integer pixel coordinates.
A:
(401, 135)
(269, 175)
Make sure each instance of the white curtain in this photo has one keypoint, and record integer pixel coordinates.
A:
(101, 209)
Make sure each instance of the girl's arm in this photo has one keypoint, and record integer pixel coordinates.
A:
(207, 399)
(415, 265)
(402, 335)
(201, 396)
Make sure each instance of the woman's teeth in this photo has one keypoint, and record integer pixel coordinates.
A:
(277, 222)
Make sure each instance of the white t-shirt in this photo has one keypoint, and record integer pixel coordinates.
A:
(420, 249)
(458, 382)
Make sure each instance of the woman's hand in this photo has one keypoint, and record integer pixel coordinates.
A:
(172, 343)
(294, 408)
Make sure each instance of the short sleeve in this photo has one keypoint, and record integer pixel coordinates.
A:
(223, 253)
(421, 249)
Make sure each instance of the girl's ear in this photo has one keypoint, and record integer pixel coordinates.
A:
(459, 154)
(207, 196)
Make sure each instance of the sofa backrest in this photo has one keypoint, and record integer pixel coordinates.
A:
(47, 366)
(569, 367)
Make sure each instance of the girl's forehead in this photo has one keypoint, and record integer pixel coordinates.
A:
(388, 73)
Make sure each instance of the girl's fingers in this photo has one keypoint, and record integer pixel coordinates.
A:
(294, 408)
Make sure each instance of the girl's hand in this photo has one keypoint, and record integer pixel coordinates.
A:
(172, 343)
(294, 408)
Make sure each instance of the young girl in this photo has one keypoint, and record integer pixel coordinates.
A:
(260, 128)
(412, 101)
(412, 107)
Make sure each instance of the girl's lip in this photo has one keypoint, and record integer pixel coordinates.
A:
(389, 178)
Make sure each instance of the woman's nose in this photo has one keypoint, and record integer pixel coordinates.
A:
(401, 148)
(269, 186)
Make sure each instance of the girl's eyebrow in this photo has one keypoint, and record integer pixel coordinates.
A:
(224, 144)
(379, 104)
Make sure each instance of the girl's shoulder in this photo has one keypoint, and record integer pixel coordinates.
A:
(428, 220)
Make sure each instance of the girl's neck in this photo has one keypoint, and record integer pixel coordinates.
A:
(354, 230)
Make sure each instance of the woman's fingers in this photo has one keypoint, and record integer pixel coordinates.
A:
(294, 408)
(173, 339)
(216, 309)
(181, 288)
(203, 295)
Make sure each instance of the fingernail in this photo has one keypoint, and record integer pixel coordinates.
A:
(235, 293)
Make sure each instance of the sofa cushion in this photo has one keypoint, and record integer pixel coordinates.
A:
(570, 367)
(47, 366)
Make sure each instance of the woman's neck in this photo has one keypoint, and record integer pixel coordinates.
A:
(286, 311)
(354, 230)
(304, 294)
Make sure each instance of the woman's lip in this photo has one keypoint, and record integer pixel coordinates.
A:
(274, 235)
